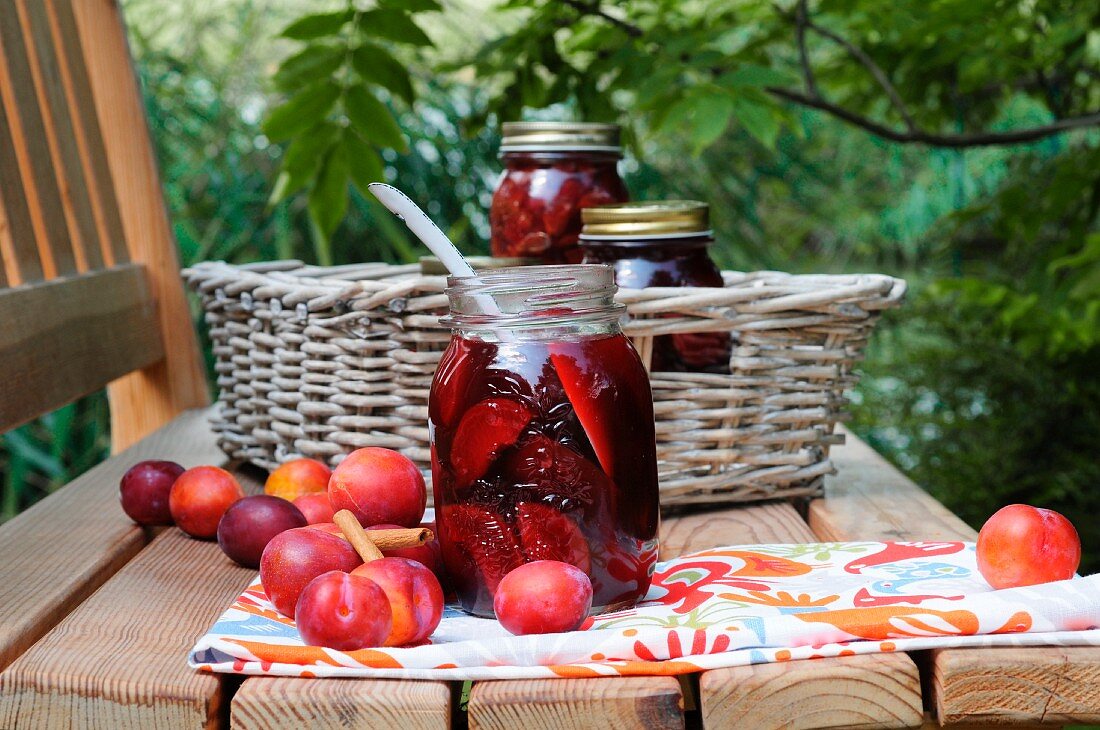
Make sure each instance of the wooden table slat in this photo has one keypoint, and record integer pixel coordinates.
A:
(275, 703)
(59, 551)
(612, 702)
(869, 499)
(880, 690)
(118, 660)
(866, 691)
(1009, 685)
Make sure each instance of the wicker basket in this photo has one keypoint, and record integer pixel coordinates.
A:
(319, 361)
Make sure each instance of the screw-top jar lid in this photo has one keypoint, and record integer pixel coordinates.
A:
(560, 136)
(666, 218)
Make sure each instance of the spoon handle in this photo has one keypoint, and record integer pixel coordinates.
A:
(422, 227)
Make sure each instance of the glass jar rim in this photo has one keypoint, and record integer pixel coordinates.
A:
(533, 297)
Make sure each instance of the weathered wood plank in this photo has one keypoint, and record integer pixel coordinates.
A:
(931, 724)
(1008, 685)
(70, 336)
(61, 137)
(823, 693)
(771, 522)
(871, 500)
(32, 147)
(613, 702)
(117, 660)
(277, 703)
(144, 400)
(89, 138)
(17, 247)
(63, 548)
(727, 696)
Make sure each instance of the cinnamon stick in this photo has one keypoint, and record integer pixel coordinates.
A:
(399, 538)
(357, 536)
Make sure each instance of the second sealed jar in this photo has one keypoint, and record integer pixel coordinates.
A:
(661, 244)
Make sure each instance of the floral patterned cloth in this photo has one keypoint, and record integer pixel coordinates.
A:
(717, 608)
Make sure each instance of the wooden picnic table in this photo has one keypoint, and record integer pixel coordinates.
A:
(97, 614)
(116, 657)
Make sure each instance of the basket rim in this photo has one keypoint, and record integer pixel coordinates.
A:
(757, 292)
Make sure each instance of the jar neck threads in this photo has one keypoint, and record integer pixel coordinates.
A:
(535, 303)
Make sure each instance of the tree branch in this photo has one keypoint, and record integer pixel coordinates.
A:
(593, 8)
(873, 68)
(811, 97)
(801, 22)
(974, 139)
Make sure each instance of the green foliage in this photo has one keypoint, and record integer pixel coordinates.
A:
(335, 113)
(44, 455)
(676, 69)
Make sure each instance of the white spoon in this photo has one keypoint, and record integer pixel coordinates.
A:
(431, 236)
(422, 227)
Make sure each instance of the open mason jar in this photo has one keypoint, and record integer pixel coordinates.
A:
(551, 171)
(661, 244)
(542, 435)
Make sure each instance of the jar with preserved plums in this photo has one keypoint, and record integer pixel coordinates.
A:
(661, 244)
(551, 171)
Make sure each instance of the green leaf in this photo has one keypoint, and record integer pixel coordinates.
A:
(712, 116)
(305, 109)
(758, 120)
(283, 188)
(309, 148)
(702, 114)
(1089, 253)
(412, 6)
(393, 25)
(302, 160)
(315, 26)
(363, 161)
(675, 114)
(308, 65)
(377, 65)
(373, 120)
(750, 74)
(328, 201)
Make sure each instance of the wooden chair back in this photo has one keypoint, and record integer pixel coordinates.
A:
(90, 293)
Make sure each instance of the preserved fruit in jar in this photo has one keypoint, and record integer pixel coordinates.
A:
(661, 244)
(551, 171)
(542, 436)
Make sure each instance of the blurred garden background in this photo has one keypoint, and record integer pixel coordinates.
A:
(954, 143)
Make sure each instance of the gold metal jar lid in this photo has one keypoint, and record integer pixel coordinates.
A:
(560, 136)
(646, 219)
